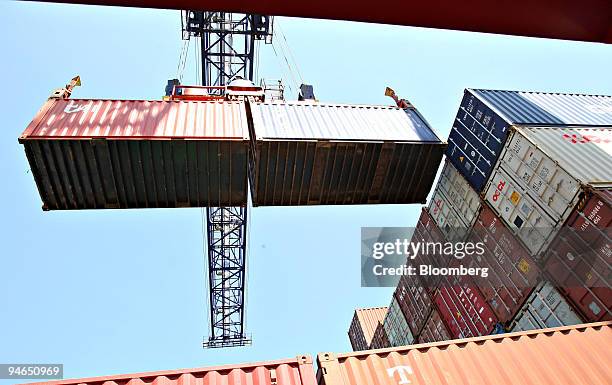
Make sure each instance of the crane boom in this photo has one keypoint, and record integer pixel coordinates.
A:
(228, 45)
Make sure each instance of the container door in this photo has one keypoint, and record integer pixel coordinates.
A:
(545, 308)
(454, 204)
(520, 212)
(540, 176)
(476, 139)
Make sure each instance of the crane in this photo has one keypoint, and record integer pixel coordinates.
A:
(228, 43)
(122, 178)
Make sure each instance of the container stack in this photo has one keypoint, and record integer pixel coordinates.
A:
(529, 175)
(365, 326)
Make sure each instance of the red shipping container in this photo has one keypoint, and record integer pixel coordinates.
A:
(575, 355)
(414, 301)
(434, 329)
(463, 308)
(427, 230)
(579, 259)
(112, 154)
(294, 371)
(512, 273)
(363, 326)
(380, 339)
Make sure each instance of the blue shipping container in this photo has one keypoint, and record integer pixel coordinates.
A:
(481, 126)
(476, 140)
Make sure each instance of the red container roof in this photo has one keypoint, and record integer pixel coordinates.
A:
(138, 119)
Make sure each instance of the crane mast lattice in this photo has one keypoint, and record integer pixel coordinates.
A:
(227, 50)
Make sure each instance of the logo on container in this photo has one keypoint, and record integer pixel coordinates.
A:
(585, 138)
(73, 107)
(437, 206)
(403, 371)
(498, 191)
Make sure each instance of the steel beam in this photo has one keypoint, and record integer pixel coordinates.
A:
(227, 50)
(586, 20)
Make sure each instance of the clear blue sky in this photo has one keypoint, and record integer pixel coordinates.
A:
(122, 291)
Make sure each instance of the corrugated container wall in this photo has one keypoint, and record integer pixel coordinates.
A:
(414, 301)
(363, 326)
(380, 339)
(297, 371)
(454, 204)
(94, 154)
(321, 154)
(561, 356)
(527, 221)
(426, 230)
(434, 329)
(579, 260)
(396, 326)
(512, 274)
(542, 175)
(480, 128)
(463, 308)
(549, 108)
(544, 308)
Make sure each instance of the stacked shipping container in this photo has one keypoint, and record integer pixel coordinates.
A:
(578, 261)
(396, 327)
(454, 205)
(364, 325)
(543, 174)
(380, 339)
(561, 356)
(530, 176)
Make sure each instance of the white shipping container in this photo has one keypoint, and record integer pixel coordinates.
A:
(540, 174)
(545, 308)
(395, 325)
(454, 204)
(525, 218)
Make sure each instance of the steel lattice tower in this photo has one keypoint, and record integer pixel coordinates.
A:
(228, 44)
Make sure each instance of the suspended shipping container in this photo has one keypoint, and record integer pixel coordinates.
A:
(482, 124)
(414, 301)
(434, 329)
(579, 260)
(396, 326)
(454, 204)
(295, 371)
(560, 356)
(543, 174)
(512, 274)
(544, 308)
(363, 326)
(463, 308)
(95, 154)
(323, 154)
